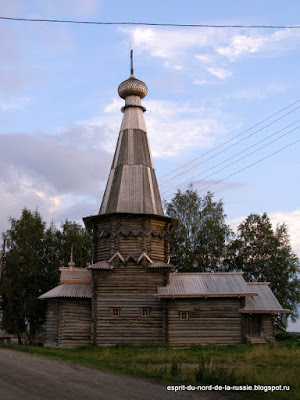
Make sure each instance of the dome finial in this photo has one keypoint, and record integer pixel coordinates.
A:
(71, 263)
(132, 86)
(131, 63)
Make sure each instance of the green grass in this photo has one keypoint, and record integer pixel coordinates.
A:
(268, 364)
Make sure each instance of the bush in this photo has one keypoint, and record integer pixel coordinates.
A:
(285, 336)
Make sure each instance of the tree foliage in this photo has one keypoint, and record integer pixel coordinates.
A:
(265, 255)
(199, 243)
(33, 257)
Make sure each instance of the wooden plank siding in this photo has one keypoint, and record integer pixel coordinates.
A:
(211, 320)
(74, 322)
(268, 330)
(51, 325)
(129, 288)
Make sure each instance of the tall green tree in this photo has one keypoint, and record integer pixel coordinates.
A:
(265, 254)
(199, 243)
(74, 235)
(33, 258)
(28, 272)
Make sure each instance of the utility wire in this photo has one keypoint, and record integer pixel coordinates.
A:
(229, 165)
(248, 148)
(230, 140)
(69, 21)
(229, 147)
(248, 166)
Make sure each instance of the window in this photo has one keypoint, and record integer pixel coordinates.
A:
(115, 312)
(145, 312)
(184, 315)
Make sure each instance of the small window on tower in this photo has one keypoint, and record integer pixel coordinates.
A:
(145, 312)
(183, 315)
(115, 312)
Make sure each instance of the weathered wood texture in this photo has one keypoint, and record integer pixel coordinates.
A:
(68, 322)
(263, 326)
(131, 235)
(211, 320)
(268, 327)
(129, 288)
(51, 325)
(75, 322)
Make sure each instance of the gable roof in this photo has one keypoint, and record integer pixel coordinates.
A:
(265, 301)
(227, 284)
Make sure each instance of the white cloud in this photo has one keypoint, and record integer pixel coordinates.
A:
(257, 43)
(212, 49)
(205, 58)
(290, 218)
(220, 73)
(60, 173)
(240, 45)
(174, 127)
(114, 106)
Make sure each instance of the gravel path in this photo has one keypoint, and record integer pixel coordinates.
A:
(28, 377)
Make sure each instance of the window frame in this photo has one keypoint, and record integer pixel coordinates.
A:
(147, 309)
(184, 315)
(115, 312)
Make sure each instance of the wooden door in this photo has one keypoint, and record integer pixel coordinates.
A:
(254, 325)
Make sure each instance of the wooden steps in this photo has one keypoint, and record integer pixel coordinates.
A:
(257, 340)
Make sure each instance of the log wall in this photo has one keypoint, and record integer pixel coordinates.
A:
(211, 320)
(51, 325)
(268, 330)
(74, 322)
(131, 235)
(129, 288)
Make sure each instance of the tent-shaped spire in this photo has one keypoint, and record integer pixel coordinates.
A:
(132, 185)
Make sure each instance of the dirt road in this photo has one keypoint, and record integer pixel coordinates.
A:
(28, 377)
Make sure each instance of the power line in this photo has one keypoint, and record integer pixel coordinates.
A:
(69, 21)
(248, 166)
(247, 155)
(229, 147)
(248, 148)
(230, 140)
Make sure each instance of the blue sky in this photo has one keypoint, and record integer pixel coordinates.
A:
(60, 112)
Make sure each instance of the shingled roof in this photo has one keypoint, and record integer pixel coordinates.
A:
(230, 284)
(264, 302)
(132, 185)
(69, 290)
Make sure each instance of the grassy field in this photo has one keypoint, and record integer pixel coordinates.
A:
(271, 364)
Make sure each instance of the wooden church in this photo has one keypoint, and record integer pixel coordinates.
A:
(131, 294)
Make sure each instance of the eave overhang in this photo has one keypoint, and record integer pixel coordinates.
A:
(173, 296)
(91, 220)
(280, 311)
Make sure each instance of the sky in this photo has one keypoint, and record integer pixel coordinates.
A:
(223, 107)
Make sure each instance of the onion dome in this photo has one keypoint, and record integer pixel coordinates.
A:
(132, 87)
